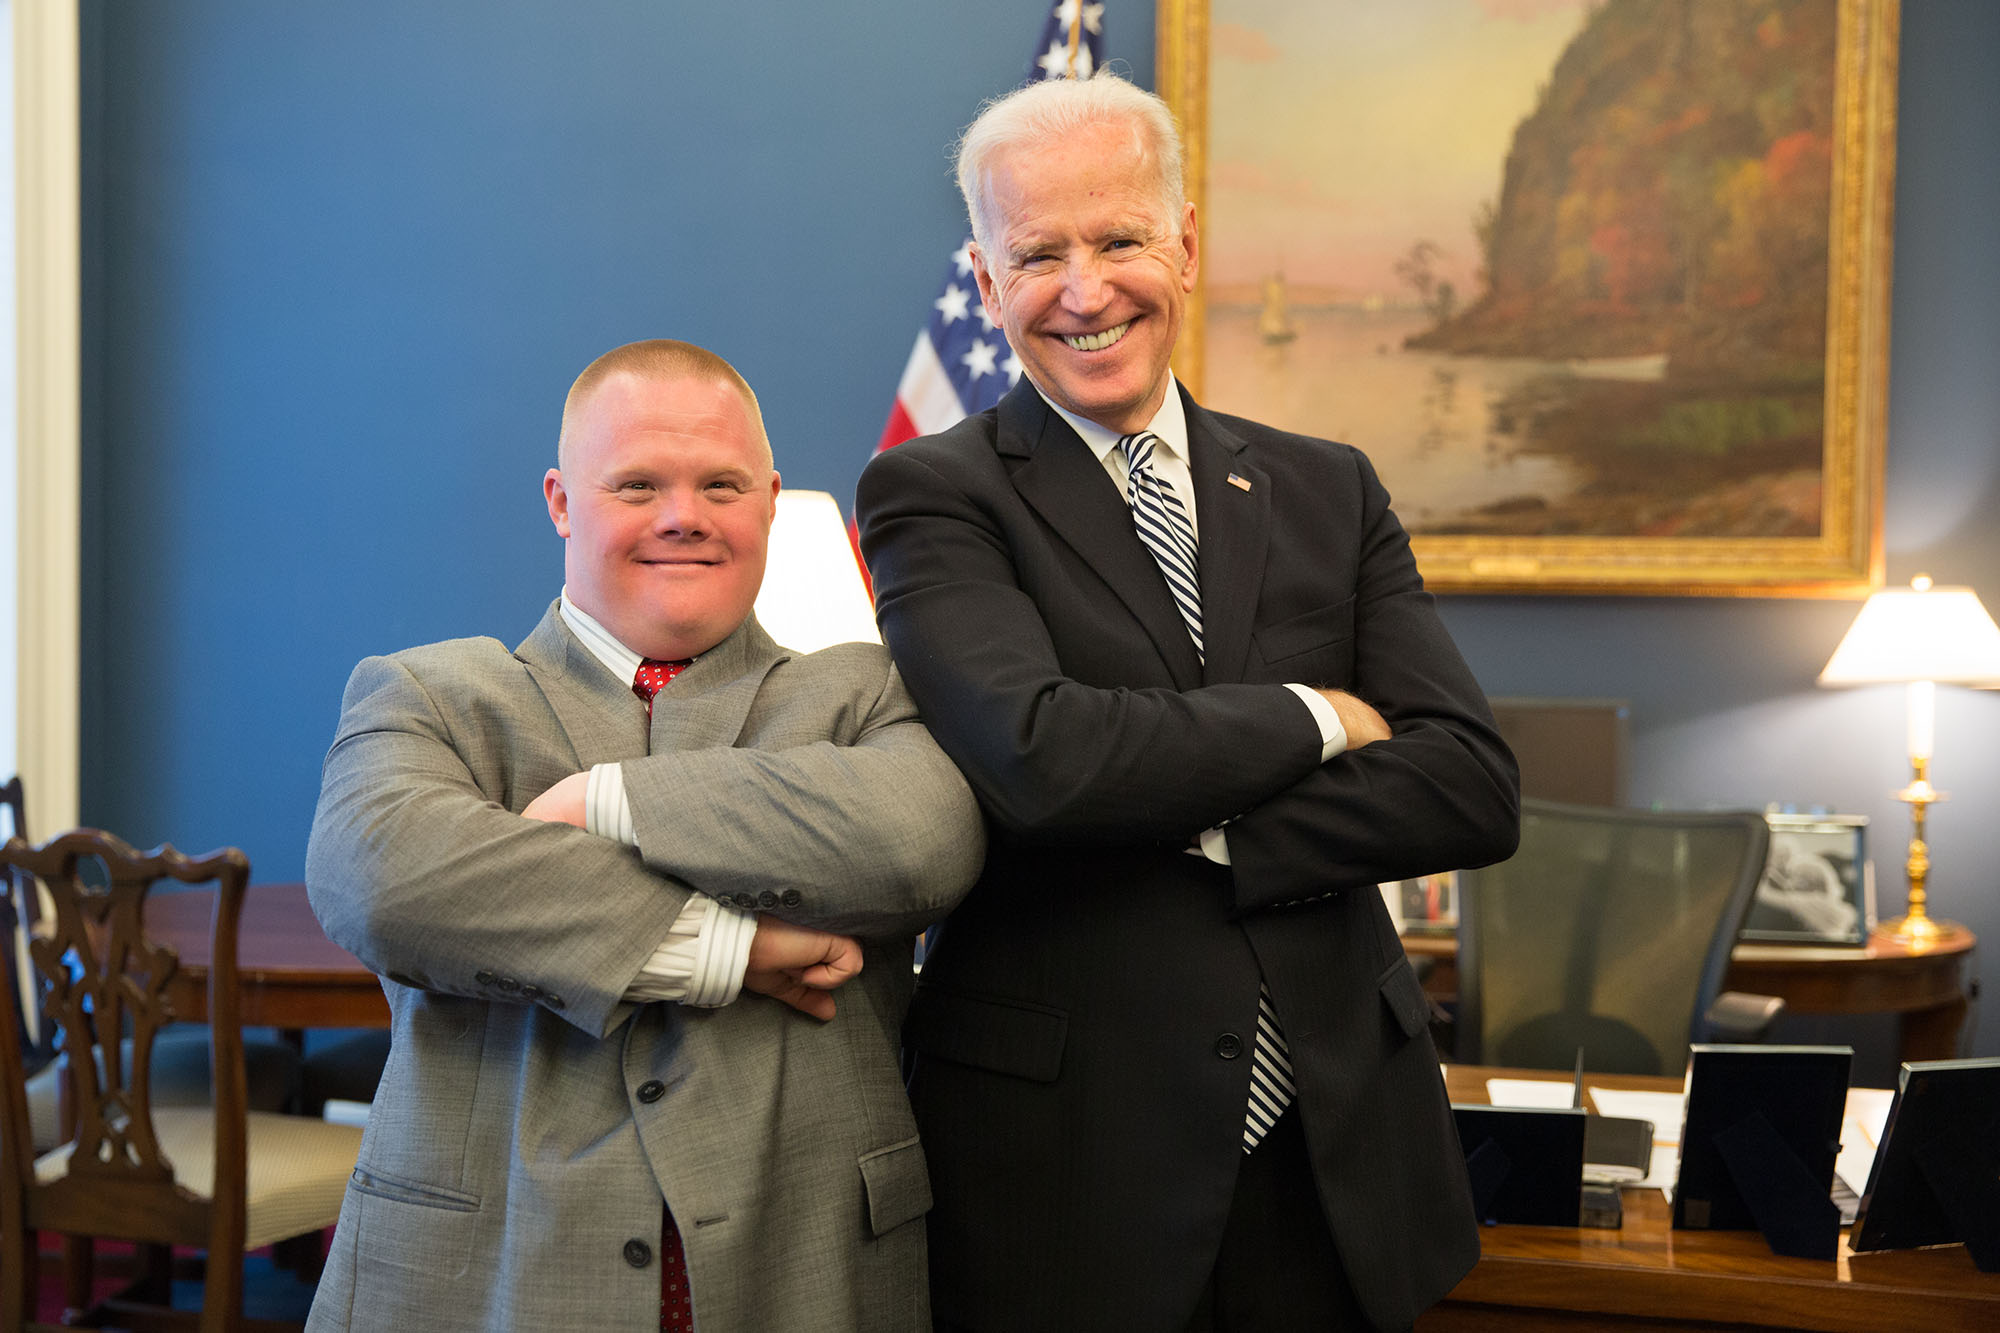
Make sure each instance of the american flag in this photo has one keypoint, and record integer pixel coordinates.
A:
(961, 363)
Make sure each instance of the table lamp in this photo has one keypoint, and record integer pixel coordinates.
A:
(1920, 635)
(813, 595)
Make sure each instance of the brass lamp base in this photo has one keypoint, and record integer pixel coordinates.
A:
(1915, 933)
(1918, 930)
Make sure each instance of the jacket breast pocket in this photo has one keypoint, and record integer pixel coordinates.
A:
(1006, 1036)
(1316, 648)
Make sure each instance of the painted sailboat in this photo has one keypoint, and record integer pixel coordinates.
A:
(1274, 323)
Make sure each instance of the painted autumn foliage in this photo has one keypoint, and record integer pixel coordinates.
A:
(1669, 193)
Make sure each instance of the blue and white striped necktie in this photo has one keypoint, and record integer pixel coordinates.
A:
(1166, 528)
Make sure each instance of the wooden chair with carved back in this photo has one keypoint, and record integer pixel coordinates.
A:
(219, 1178)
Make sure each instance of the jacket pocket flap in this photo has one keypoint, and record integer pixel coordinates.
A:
(1317, 628)
(1404, 995)
(898, 1185)
(1006, 1036)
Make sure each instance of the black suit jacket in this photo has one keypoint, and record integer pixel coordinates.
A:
(1078, 1049)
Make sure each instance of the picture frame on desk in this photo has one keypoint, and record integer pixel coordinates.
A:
(1936, 1177)
(1426, 905)
(1818, 886)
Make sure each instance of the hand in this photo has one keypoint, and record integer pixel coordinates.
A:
(1364, 725)
(800, 967)
(562, 803)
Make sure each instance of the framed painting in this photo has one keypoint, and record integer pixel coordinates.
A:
(1600, 286)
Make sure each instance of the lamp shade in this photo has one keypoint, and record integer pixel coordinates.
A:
(1920, 632)
(813, 595)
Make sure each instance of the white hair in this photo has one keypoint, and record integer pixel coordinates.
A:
(1043, 113)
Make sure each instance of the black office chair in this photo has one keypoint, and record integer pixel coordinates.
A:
(1608, 930)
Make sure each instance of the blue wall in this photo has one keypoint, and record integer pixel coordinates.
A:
(342, 261)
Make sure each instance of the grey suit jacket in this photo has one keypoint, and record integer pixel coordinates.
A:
(530, 1119)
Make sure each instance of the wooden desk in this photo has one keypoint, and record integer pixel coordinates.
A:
(292, 975)
(1925, 988)
(1570, 1278)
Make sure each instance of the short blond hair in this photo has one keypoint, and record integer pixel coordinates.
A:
(657, 359)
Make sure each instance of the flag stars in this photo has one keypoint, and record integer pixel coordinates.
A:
(954, 304)
(962, 257)
(985, 319)
(1093, 16)
(1012, 365)
(979, 361)
(1055, 63)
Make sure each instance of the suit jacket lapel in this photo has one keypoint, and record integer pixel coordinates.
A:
(604, 721)
(1063, 482)
(1235, 530)
(706, 705)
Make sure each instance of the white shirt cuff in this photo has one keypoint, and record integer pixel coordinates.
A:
(707, 949)
(606, 812)
(1214, 843)
(1332, 736)
(702, 960)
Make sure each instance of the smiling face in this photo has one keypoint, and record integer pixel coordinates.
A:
(1091, 276)
(664, 501)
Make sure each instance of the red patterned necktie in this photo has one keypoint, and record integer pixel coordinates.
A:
(653, 676)
(676, 1301)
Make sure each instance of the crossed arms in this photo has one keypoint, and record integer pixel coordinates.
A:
(420, 867)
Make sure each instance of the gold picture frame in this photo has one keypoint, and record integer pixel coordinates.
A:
(1833, 424)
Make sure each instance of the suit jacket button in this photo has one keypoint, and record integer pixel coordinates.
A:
(1229, 1046)
(531, 992)
(552, 1000)
(483, 977)
(767, 899)
(793, 897)
(652, 1090)
(638, 1253)
(507, 984)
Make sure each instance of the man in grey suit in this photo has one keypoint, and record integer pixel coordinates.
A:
(609, 922)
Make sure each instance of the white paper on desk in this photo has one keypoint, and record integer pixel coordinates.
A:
(1530, 1092)
(1663, 1171)
(1860, 1132)
(1662, 1108)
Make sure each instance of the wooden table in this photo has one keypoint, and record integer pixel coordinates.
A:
(1571, 1278)
(292, 975)
(1924, 987)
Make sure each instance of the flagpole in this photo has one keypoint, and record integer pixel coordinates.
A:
(1075, 39)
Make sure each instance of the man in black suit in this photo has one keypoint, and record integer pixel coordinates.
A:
(1170, 1062)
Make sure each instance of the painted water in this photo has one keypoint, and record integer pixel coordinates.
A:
(1436, 426)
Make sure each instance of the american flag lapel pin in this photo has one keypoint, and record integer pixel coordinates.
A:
(1241, 483)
